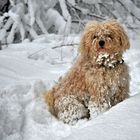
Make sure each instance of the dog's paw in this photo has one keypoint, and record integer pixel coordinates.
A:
(70, 110)
(93, 110)
(97, 109)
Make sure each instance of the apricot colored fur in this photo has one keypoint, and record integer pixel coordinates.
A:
(90, 88)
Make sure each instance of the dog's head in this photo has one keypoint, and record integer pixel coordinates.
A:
(103, 37)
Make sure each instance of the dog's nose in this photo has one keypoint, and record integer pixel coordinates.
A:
(102, 43)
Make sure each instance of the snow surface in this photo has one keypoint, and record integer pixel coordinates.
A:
(28, 69)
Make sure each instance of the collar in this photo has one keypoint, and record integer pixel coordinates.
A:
(111, 65)
(109, 60)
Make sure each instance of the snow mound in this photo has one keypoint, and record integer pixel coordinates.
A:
(24, 116)
(13, 102)
(119, 123)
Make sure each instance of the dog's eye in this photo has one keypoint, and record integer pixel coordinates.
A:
(109, 36)
(94, 36)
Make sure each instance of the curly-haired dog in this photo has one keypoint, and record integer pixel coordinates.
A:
(99, 78)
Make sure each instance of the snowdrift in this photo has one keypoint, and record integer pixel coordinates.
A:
(119, 123)
(24, 116)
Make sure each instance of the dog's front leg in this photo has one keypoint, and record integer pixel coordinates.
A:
(98, 105)
(69, 109)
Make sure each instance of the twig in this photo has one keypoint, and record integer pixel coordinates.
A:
(55, 47)
(62, 45)
(83, 23)
(0, 46)
(80, 9)
(135, 29)
(30, 56)
(6, 42)
(66, 62)
(108, 10)
(96, 16)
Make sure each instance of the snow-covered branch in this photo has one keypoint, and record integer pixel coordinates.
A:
(27, 19)
(30, 18)
(131, 8)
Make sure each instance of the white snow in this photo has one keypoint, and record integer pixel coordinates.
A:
(119, 123)
(28, 69)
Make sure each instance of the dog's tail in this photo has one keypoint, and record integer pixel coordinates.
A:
(49, 99)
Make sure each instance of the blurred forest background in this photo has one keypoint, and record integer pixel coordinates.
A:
(28, 19)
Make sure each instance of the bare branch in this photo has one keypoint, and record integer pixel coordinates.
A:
(96, 16)
(63, 45)
(55, 47)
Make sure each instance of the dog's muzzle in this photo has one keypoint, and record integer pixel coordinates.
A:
(101, 44)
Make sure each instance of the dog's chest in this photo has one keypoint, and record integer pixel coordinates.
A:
(105, 80)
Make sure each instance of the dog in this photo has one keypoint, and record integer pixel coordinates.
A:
(99, 78)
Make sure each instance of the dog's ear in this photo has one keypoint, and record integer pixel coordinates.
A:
(121, 33)
(86, 38)
(85, 43)
(124, 40)
(82, 43)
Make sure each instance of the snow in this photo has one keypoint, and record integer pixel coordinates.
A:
(119, 123)
(28, 69)
(35, 61)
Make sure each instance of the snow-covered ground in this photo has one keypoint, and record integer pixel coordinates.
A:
(28, 69)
